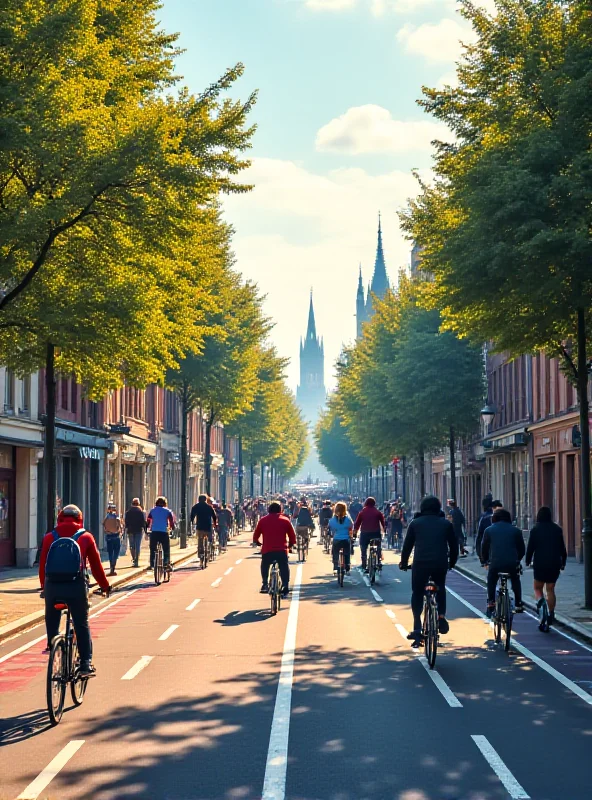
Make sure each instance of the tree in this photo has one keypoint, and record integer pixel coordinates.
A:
(505, 227)
(334, 447)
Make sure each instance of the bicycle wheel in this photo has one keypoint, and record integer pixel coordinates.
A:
(158, 565)
(57, 668)
(77, 684)
(167, 572)
(300, 549)
(508, 622)
(497, 619)
(273, 592)
(372, 569)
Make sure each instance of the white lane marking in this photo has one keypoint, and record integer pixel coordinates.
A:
(192, 605)
(534, 616)
(573, 687)
(238, 561)
(404, 633)
(274, 783)
(137, 668)
(114, 603)
(376, 596)
(22, 649)
(229, 570)
(441, 684)
(217, 582)
(390, 613)
(511, 785)
(170, 630)
(45, 777)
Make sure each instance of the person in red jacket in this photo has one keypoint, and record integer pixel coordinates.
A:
(72, 593)
(371, 522)
(278, 535)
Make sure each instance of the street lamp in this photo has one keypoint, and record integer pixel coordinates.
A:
(488, 413)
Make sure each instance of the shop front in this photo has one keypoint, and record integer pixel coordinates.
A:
(131, 472)
(508, 474)
(7, 516)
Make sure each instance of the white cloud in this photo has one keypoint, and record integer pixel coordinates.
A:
(437, 43)
(299, 229)
(330, 5)
(371, 129)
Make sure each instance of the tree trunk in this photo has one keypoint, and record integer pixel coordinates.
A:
(184, 459)
(452, 446)
(586, 487)
(50, 436)
(422, 481)
(240, 469)
(208, 454)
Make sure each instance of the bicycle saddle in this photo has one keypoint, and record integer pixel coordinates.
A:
(60, 606)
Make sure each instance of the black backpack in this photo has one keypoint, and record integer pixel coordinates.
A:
(64, 558)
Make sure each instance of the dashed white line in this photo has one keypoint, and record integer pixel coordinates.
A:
(170, 630)
(274, 783)
(511, 785)
(114, 603)
(137, 668)
(45, 777)
(217, 582)
(376, 596)
(390, 613)
(573, 687)
(229, 570)
(192, 605)
(238, 561)
(441, 684)
(404, 633)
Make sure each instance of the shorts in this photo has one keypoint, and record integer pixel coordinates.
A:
(546, 574)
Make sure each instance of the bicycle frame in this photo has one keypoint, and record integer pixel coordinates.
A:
(275, 587)
(503, 614)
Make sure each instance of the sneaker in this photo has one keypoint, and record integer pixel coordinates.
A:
(416, 644)
(519, 608)
(264, 589)
(414, 636)
(112, 573)
(87, 670)
(365, 570)
(443, 626)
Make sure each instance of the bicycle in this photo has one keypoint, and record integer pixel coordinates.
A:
(373, 561)
(275, 587)
(503, 613)
(429, 631)
(341, 567)
(302, 546)
(63, 668)
(325, 538)
(213, 548)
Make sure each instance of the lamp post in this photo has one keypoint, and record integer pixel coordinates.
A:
(488, 413)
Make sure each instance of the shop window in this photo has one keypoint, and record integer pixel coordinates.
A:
(9, 391)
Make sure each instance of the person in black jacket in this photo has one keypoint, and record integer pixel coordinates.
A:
(436, 551)
(503, 549)
(547, 547)
(205, 519)
(489, 506)
(136, 526)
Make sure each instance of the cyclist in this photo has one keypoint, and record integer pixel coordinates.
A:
(224, 525)
(341, 526)
(489, 506)
(547, 547)
(503, 549)
(204, 517)
(304, 521)
(160, 523)
(59, 584)
(436, 551)
(355, 508)
(325, 514)
(370, 522)
(278, 535)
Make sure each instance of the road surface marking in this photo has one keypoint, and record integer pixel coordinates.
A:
(573, 687)
(511, 785)
(170, 630)
(137, 668)
(217, 582)
(229, 570)
(444, 688)
(46, 776)
(376, 596)
(404, 633)
(114, 603)
(192, 605)
(274, 783)
(390, 614)
(21, 649)
(238, 561)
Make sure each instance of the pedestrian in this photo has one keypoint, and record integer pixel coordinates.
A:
(113, 528)
(546, 551)
(457, 518)
(503, 549)
(135, 526)
(371, 523)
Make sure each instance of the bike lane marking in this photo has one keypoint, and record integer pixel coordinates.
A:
(169, 631)
(137, 668)
(569, 684)
(229, 570)
(216, 583)
(274, 782)
(192, 605)
(514, 789)
(46, 776)
(238, 561)
(376, 596)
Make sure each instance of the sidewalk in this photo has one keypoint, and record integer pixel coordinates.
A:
(570, 592)
(21, 606)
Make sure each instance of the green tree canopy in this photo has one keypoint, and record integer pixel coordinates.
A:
(334, 447)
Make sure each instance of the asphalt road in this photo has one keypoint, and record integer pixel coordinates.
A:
(325, 701)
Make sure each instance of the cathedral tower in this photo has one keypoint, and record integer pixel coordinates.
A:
(311, 392)
(379, 285)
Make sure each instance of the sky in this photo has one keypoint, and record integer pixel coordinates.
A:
(338, 135)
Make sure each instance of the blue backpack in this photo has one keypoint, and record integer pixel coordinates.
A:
(64, 558)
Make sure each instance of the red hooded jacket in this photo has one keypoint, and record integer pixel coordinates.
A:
(274, 528)
(68, 526)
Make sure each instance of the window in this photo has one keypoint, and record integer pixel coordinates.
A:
(64, 397)
(25, 403)
(9, 391)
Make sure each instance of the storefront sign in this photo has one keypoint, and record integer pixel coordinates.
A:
(89, 452)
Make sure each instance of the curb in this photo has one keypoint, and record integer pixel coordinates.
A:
(23, 623)
(565, 622)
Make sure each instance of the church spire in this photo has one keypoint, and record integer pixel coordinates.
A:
(311, 332)
(380, 281)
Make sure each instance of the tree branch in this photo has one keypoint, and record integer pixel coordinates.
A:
(566, 356)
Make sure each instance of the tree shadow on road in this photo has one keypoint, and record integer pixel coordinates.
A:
(22, 727)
